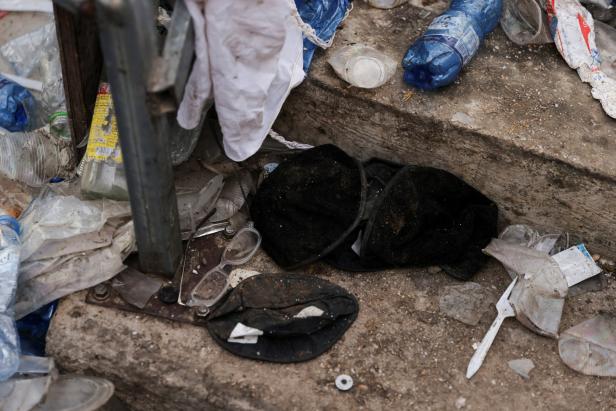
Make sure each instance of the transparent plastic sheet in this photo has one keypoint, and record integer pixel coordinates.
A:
(76, 272)
(135, 287)
(55, 218)
(362, 66)
(590, 347)
(45, 6)
(23, 394)
(538, 297)
(524, 22)
(36, 56)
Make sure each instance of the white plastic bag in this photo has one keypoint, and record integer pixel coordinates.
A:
(27, 5)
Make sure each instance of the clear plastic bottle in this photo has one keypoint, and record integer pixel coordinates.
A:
(35, 157)
(436, 58)
(9, 268)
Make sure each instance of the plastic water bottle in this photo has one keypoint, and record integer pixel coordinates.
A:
(16, 106)
(9, 268)
(34, 157)
(449, 43)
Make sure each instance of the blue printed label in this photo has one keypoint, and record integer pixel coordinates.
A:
(455, 30)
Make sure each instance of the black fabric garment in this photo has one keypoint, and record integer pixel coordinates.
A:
(309, 205)
(412, 216)
(270, 302)
(427, 216)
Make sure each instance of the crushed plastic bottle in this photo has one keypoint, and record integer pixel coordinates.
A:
(34, 157)
(16, 106)
(10, 246)
(449, 43)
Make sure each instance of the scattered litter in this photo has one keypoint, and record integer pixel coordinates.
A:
(591, 285)
(505, 310)
(215, 283)
(9, 270)
(17, 107)
(135, 287)
(344, 382)
(525, 22)
(466, 302)
(362, 66)
(576, 264)
(522, 367)
(35, 157)
(539, 296)
(573, 26)
(450, 42)
(69, 245)
(590, 347)
(319, 20)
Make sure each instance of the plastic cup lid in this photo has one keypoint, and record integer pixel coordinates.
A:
(76, 393)
(364, 71)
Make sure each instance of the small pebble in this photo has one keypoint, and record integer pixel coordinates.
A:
(460, 403)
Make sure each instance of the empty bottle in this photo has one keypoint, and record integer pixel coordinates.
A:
(16, 106)
(34, 157)
(9, 267)
(449, 43)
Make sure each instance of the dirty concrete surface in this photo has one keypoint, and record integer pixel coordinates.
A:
(402, 354)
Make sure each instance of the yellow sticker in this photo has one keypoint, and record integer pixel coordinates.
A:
(103, 139)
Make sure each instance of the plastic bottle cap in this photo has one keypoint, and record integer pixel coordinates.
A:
(366, 72)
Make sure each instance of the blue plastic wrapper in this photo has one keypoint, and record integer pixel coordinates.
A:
(16, 106)
(449, 43)
(324, 16)
(33, 328)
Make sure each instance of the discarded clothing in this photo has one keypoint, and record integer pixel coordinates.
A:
(249, 56)
(282, 317)
(365, 217)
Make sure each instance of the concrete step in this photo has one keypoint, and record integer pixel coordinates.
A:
(402, 353)
(518, 125)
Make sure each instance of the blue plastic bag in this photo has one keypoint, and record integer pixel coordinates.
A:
(16, 106)
(324, 16)
(449, 43)
(33, 328)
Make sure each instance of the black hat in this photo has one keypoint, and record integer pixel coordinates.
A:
(287, 317)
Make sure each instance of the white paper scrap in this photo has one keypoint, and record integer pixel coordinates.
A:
(577, 264)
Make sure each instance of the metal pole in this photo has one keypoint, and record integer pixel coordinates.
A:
(128, 41)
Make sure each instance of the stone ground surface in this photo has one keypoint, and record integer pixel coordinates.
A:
(401, 352)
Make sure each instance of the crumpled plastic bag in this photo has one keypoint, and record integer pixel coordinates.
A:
(539, 295)
(76, 272)
(590, 347)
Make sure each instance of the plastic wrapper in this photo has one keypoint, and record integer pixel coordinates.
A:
(524, 22)
(36, 56)
(76, 272)
(590, 347)
(572, 27)
(319, 21)
(362, 66)
(27, 5)
(539, 295)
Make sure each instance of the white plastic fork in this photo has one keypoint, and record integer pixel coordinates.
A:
(505, 310)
